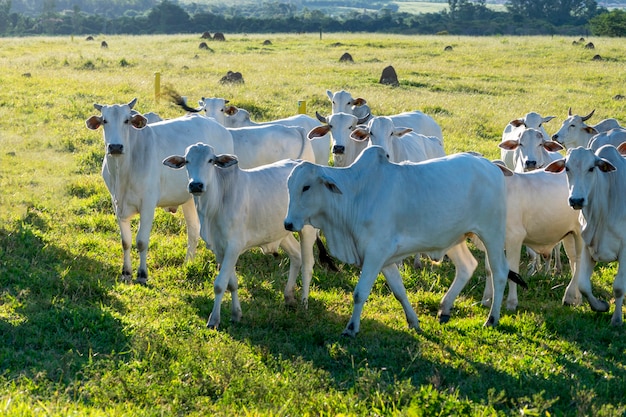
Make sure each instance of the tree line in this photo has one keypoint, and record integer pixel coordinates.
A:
(463, 17)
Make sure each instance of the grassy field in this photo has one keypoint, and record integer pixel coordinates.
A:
(75, 341)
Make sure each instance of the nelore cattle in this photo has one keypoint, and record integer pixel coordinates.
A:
(574, 132)
(137, 180)
(514, 127)
(375, 213)
(240, 209)
(596, 182)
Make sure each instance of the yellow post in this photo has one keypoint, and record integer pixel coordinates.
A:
(302, 106)
(157, 86)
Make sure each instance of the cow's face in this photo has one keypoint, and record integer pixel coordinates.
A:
(117, 121)
(343, 102)
(215, 108)
(307, 186)
(344, 150)
(574, 131)
(530, 149)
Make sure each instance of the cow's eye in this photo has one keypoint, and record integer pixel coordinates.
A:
(566, 169)
(591, 169)
(305, 188)
(126, 121)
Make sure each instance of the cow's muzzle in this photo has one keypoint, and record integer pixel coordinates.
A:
(576, 203)
(339, 150)
(196, 187)
(530, 165)
(115, 149)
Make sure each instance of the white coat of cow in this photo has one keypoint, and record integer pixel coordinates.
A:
(574, 132)
(137, 180)
(613, 137)
(342, 101)
(539, 217)
(240, 209)
(511, 131)
(530, 149)
(596, 183)
(234, 117)
(400, 143)
(371, 221)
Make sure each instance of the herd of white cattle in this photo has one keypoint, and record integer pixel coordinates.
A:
(390, 192)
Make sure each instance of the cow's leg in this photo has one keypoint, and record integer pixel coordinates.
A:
(226, 280)
(500, 267)
(193, 228)
(127, 269)
(143, 240)
(292, 247)
(308, 236)
(369, 273)
(558, 265)
(535, 261)
(619, 286)
(573, 245)
(513, 257)
(584, 270)
(464, 265)
(394, 280)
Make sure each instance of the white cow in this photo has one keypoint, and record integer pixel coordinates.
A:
(530, 149)
(342, 101)
(539, 217)
(371, 221)
(596, 183)
(575, 132)
(401, 144)
(234, 117)
(240, 209)
(613, 137)
(261, 145)
(339, 126)
(511, 130)
(137, 180)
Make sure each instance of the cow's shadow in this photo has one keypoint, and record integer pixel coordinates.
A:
(54, 306)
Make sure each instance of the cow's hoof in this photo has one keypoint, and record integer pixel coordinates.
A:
(444, 318)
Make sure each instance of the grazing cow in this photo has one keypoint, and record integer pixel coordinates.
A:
(240, 209)
(596, 182)
(530, 149)
(137, 180)
(539, 217)
(339, 126)
(371, 221)
(575, 132)
(421, 123)
(401, 144)
(613, 137)
(234, 117)
(511, 130)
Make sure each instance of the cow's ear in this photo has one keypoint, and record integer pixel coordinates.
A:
(552, 146)
(547, 119)
(357, 102)
(318, 132)
(604, 165)
(506, 171)
(138, 121)
(93, 122)
(230, 110)
(509, 145)
(590, 130)
(330, 184)
(225, 160)
(622, 148)
(401, 131)
(556, 166)
(175, 161)
(517, 123)
(360, 134)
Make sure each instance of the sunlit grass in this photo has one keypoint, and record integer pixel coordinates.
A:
(75, 341)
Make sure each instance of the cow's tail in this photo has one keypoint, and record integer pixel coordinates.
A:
(179, 100)
(517, 278)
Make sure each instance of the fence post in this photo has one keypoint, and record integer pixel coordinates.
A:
(157, 86)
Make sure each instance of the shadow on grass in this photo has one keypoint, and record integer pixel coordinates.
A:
(54, 314)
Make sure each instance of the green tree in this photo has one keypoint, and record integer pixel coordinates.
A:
(611, 23)
(557, 12)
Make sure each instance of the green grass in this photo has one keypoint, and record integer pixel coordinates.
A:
(75, 341)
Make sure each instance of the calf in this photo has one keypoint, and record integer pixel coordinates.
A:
(240, 209)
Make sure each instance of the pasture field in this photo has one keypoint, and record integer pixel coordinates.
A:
(76, 341)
